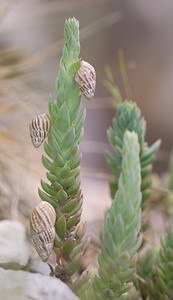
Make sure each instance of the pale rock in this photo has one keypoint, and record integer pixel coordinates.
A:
(37, 266)
(14, 249)
(21, 285)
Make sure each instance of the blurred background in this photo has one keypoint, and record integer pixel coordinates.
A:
(31, 41)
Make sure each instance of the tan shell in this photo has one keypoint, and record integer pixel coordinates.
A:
(85, 79)
(39, 129)
(42, 229)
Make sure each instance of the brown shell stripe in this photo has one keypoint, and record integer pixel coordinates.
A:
(43, 217)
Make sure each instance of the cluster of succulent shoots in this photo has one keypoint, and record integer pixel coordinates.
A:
(55, 220)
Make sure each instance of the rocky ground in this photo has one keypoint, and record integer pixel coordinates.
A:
(22, 273)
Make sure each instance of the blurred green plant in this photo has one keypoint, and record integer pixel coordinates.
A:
(109, 82)
(121, 239)
(128, 116)
(156, 270)
(168, 198)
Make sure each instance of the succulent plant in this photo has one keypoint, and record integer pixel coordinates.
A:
(63, 191)
(128, 117)
(121, 238)
(156, 268)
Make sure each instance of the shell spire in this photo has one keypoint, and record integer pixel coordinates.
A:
(42, 229)
(39, 128)
(85, 79)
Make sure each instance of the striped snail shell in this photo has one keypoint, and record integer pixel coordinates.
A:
(42, 229)
(39, 128)
(85, 79)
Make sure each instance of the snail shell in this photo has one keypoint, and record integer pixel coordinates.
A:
(39, 128)
(85, 79)
(42, 229)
